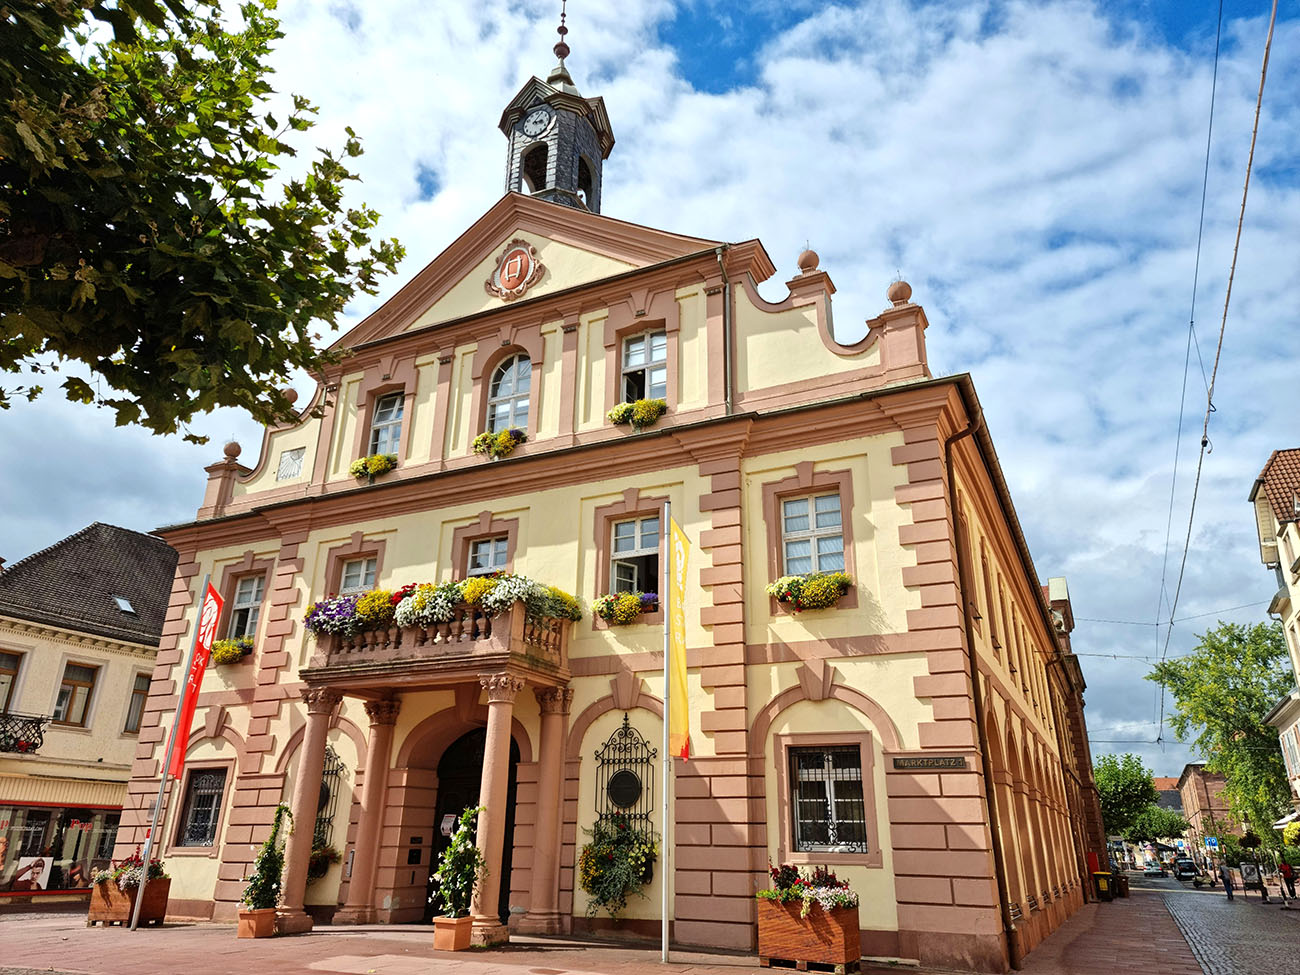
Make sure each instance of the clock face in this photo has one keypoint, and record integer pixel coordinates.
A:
(536, 121)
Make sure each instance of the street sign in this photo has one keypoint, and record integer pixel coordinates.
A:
(1211, 842)
(1179, 843)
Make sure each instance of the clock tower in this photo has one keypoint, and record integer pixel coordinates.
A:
(557, 138)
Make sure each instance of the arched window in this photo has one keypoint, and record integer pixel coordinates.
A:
(386, 424)
(532, 168)
(508, 394)
(586, 185)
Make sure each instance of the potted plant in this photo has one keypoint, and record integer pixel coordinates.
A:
(618, 861)
(460, 869)
(231, 651)
(622, 608)
(499, 444)
(257, 916)
(112, 898)
(817, 590)
(640, 414)
(323, 856)
(372, 466)
(806, 918)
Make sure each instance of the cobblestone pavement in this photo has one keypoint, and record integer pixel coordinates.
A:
(1243, 936)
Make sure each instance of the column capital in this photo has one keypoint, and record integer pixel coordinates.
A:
(320, 700)
(383, 712)
(554, 700)
(501, 688)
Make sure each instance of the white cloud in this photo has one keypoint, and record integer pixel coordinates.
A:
(1033, 170)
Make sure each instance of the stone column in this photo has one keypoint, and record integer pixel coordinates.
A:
(543, 915)
(360, 907)
(501, 690)
(321, 701)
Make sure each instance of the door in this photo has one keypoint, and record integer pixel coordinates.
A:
(460, 777)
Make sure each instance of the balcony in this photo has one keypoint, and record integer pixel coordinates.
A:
(22, 733)
(1281, 603)
(464, 648)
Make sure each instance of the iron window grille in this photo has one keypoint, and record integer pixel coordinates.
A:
(246, 607)
(625, 776)
(508, 394)
(330, 784)
(828, 811)
(386, 424)
(202, 808)
(645, 367)
(812, 534)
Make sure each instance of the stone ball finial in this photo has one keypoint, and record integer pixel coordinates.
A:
(899, 292)
(808, 261)
(232, 450)
(290, 394)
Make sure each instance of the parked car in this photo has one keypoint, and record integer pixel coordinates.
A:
(1185, 868)
(1153, 869)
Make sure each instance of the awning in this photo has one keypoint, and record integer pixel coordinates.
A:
(1290, 817)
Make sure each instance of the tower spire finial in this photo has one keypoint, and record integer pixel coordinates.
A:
(561, 48)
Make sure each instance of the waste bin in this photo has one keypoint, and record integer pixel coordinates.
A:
(1102, 885)
(1121, 884)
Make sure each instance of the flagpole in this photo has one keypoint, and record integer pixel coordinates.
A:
(167, 760)
(665, 597)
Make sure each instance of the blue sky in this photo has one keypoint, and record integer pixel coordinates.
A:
(1033, 170)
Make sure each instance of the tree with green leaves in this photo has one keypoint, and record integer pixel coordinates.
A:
(1155, 823)
(156, 232)
(1125, 788)
(1221, 693)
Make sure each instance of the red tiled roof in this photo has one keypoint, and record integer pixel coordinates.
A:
(1281, 480)
(1165, 784)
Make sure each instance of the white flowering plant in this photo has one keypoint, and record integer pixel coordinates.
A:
(820, 887)
(428, 604)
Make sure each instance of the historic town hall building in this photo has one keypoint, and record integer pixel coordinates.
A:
(922, 735)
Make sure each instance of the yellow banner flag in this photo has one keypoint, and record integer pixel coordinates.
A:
(679, 719)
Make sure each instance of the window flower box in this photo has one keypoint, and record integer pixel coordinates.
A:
(818, 590)
(806, 918)
(372, 466)
(622, 608)
(640, 414)
(499, 444)
(231, 651)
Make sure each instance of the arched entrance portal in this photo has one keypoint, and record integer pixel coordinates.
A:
(460, 772)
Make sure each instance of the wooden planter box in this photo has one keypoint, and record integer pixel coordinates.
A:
(111, 905)
(829, 940)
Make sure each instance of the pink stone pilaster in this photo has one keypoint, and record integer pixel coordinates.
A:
(360, 906)
(501, 690)
(543, 915)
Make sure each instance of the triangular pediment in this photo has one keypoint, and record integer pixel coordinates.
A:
(573, 248)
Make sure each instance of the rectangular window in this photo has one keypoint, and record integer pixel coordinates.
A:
(634, 560)
(358, 575)
(8, 678)
(386, 424)
(828, 811)
(135, 710)
(290, 464)
(645, 367)
(812, 535)
(487, 555)
(202, 807)
(74, 694)
(245, 607)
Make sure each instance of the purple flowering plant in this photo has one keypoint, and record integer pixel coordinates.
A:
(336, 614)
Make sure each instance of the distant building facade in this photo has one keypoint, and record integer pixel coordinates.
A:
(1204, 807)
(1276, 497)
(79, 629)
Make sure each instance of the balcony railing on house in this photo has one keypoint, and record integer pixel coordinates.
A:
(22, 733)
(469, 641)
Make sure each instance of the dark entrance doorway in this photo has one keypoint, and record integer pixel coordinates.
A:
(460, 774)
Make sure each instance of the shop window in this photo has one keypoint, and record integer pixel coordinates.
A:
(645, 367)
(135, 710)
(812, 534)
(488, 555)
(828, 813)
(9, 663)
(358, 575)
(508, 394)
(290, 464)
(202, 808)
(634, 555)
(245, 607)
(74, 694)
(386, 424)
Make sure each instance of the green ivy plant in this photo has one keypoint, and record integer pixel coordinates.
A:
(263, 890)
(618, 862)
(461, 867)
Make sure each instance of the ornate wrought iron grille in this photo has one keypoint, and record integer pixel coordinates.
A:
(202, 808)
(625, 776)
(330, 784)
(826, 787)
(22, 733)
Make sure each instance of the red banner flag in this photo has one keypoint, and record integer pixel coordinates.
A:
(209, 614)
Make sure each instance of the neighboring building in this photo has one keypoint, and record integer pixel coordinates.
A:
(79, 629)
(1276, 496)
(1170, 798)
(924, 737)
(1204, 807)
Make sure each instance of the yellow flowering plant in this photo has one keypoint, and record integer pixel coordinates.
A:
(818, 590)
(231, 651)
(375, 609)
(618, 861)
(499, 444)
(373, 466)
(640, 414)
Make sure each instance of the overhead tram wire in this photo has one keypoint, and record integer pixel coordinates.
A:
(1181, 619)
(1162, 596)
(1218, 352)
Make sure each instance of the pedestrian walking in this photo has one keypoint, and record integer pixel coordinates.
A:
(1288, 877)
(1225, 875)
